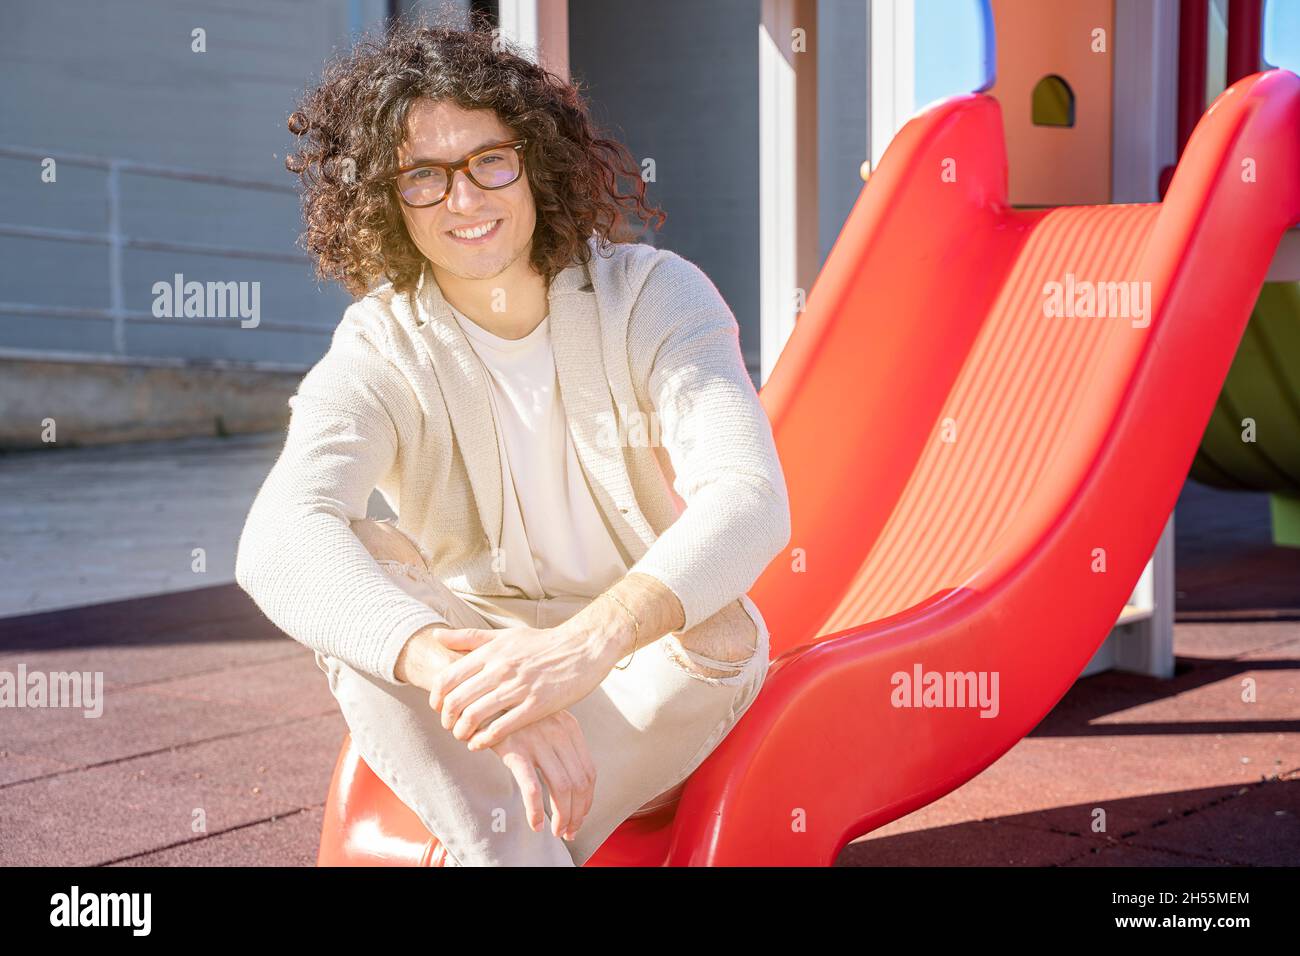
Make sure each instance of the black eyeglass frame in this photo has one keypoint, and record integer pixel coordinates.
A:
(451, 169)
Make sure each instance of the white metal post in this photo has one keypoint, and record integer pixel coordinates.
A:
(543, 27)
(892, 71)
(787, 98)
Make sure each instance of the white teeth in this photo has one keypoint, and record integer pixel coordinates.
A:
(475, 233)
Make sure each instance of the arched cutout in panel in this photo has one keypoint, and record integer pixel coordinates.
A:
(1053, 102)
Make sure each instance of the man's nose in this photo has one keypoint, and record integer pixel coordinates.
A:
(463, 195)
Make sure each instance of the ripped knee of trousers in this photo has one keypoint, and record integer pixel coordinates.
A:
(718, 648)
(387, 543)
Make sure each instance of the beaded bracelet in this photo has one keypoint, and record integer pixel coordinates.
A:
(636, 631)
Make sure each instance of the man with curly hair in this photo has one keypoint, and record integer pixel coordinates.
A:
(585, 482)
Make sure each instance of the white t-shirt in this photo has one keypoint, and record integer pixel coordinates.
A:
(554, 539)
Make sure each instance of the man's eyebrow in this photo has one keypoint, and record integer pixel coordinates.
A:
(420, 160)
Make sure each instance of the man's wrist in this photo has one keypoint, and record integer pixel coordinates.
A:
(606, 628)
(422, 657)
(635, 611)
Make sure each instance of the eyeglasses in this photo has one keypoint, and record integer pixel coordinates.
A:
(427, 184)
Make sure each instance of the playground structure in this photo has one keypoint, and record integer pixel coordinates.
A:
(1030, 471)
(1252, 441)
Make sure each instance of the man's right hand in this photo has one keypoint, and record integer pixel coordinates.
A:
(553, 745)
(556, 747)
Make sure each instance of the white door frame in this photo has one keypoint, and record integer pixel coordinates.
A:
(543, 27)
(787, 135)
(891, 73)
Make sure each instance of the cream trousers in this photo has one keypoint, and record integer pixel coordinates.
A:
(647, 728)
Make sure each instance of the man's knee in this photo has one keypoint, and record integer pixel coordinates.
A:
(385, 542)
(729, 638)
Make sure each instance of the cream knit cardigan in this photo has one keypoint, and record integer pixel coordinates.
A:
(645, 348)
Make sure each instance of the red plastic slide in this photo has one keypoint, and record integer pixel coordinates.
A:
(985, 416)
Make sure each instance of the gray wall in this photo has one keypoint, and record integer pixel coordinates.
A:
(677, 81)
(119, 81)
(842, 109)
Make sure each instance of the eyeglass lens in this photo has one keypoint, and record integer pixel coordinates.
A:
(425, 185)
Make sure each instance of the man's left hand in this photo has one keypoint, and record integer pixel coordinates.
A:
(525, 672)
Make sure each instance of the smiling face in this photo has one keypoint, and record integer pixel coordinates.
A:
(443, 132)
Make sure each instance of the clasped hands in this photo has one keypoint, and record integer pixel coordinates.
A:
(528, 676)
(522, 673)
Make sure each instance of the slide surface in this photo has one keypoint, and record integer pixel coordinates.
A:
(980, 463)
(978, 480)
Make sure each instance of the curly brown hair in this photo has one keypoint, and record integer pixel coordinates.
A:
(351, 125)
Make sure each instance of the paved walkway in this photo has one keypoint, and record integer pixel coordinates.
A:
(88, 525)
(222, 735)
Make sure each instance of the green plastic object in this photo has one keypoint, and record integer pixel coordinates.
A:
(1286, 520)
(1252, 441)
